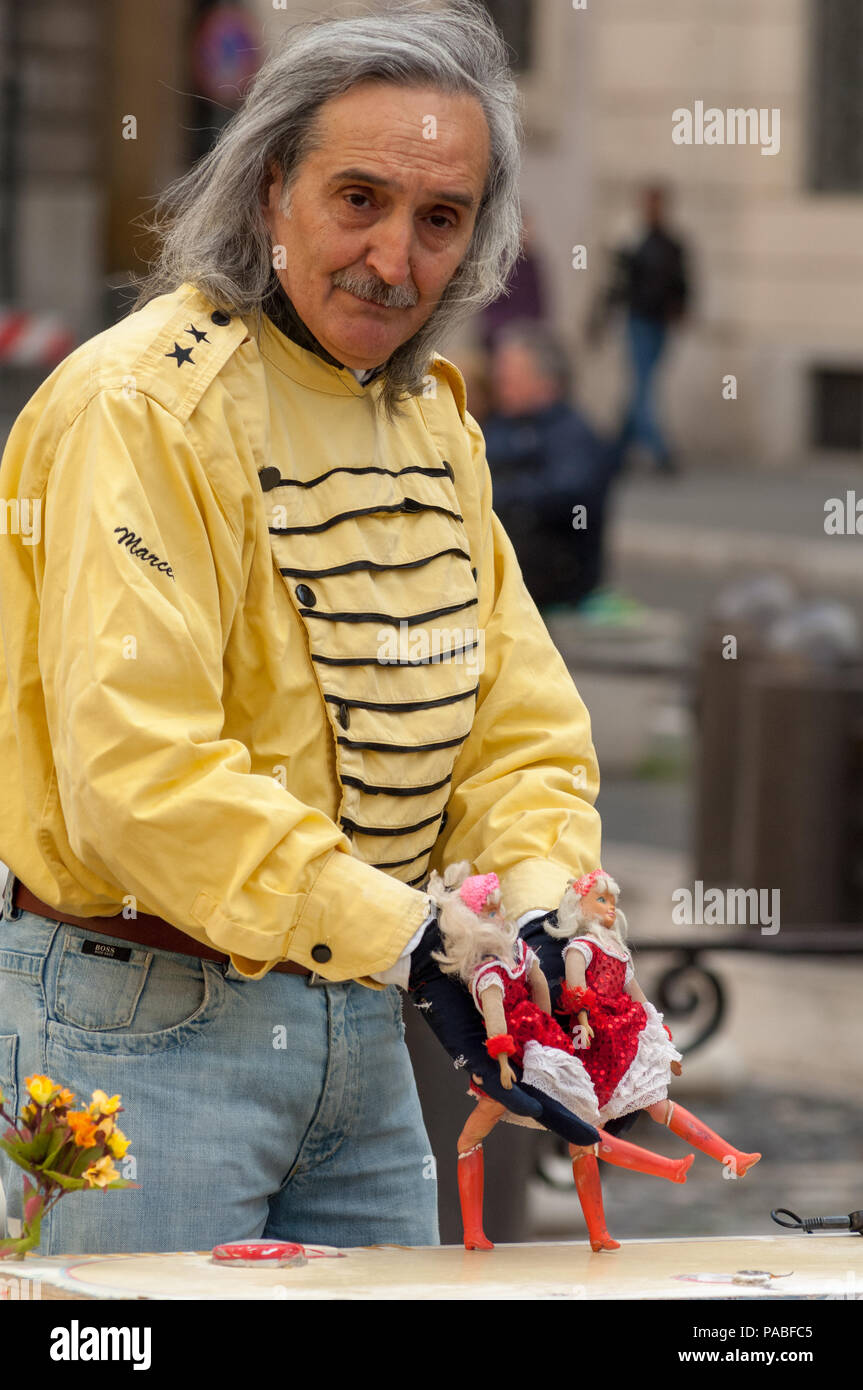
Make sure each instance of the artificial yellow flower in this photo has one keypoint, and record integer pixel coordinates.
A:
(118, 1143)
(99, 1174)
(83, 1128)
(29, 1114)
(102, 1105)
(41, 1088)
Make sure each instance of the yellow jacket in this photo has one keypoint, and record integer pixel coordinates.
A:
(209, 710)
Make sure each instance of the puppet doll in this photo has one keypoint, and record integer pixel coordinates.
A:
(621, 1039)
(509, 989)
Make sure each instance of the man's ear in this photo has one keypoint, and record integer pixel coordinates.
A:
(270, 195)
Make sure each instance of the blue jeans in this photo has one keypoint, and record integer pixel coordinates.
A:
(255, 1108)
(641, 426)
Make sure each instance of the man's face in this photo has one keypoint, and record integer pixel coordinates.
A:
(380, 206)
(519, 388)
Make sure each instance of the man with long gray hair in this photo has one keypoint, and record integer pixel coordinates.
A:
(274, 661)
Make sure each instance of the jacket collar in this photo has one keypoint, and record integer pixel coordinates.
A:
(281, 312)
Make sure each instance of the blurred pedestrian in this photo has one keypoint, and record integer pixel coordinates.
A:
(551, 471)
(651, 281)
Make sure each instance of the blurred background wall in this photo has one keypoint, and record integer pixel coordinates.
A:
(777, 240)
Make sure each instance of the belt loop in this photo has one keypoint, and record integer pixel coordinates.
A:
(10, 912)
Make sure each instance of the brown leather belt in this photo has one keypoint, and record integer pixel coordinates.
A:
(143, 930)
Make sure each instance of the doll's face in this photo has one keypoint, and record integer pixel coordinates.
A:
(601, 906)
(494, 913)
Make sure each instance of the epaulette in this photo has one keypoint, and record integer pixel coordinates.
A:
(441, 366)
(171, 350)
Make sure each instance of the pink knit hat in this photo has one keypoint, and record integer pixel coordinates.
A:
(476, 889)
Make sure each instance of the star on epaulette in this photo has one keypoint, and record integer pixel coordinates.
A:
(182, 355)
(199, 335)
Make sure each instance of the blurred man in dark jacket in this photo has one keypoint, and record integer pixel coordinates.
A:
(551, 471)
(651, 281)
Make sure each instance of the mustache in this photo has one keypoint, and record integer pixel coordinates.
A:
(371, 287)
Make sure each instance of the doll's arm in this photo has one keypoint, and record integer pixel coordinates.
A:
(576, 969)
(634, 990)
(491, 1001)
(539, 991)
(576, 978)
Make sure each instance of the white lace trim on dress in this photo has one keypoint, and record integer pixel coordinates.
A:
(649, 1075)
(563, 1077)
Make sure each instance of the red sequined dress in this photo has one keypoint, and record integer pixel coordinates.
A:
(542, 1048)
(629, 1057)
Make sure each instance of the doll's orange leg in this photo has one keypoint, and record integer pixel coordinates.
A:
(470, 1171)
(479, 1123)
(622, 1154)
(585, 1170)
(690, 1128)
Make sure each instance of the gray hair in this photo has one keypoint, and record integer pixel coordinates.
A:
(209, 222)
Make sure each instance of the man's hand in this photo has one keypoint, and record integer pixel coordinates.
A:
(450, 1012)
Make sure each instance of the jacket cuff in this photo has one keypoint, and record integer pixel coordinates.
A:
(362, 916)
(534, 884)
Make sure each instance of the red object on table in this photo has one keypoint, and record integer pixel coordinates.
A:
(259, 1252)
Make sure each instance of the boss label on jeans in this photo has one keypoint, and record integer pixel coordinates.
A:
(105, 948)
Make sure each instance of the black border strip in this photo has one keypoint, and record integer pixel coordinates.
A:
(347, 824)
(393, 665)
(388, 617)
(353, 565)
(370, 789)
(400, 863)
(404, 748)
(406, 706)
(443, 472)
(365, 511)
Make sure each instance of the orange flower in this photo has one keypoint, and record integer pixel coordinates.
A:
(83, 1128)
(118, 1143)
(63, 1099)
(99, 1174)
(41, 1088)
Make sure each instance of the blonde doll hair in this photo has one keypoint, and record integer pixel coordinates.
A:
(571, 920)
(467, 938)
